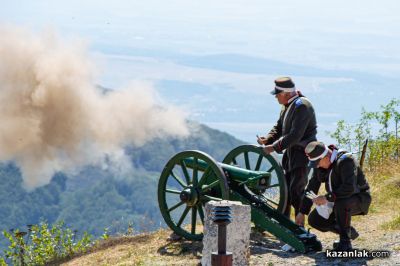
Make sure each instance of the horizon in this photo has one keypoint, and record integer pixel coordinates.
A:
(217, 61)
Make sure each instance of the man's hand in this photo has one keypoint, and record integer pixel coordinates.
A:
(268, 149)
(261, 140)
(320, 200)
(300, 219)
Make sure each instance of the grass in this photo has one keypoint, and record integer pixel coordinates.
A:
(385, 187)
(393, 224)
(385, 190)
(144, 249)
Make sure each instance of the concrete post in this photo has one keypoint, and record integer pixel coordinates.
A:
(238, 232)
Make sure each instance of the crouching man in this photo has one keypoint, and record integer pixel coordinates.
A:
(348, 192)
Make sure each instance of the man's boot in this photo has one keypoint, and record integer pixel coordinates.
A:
(342, 245)
(344, 242)
(353, 232)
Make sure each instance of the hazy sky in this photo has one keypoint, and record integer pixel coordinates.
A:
(150, 39)
(296, 31)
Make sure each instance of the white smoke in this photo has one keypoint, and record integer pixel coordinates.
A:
(52, 116)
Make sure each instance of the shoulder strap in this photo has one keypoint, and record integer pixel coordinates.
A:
(339, 156)
(288, 109)
(286, 113)
(329, 181)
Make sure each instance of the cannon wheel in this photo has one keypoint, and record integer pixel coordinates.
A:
(183, 190)
(252, 157)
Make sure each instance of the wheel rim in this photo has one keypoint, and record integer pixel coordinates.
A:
(183, 192)
(252, 157)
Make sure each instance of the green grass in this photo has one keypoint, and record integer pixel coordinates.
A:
(385, 190)
(393, 224)
(387, 196)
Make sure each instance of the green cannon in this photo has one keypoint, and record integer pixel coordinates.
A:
(247, 174)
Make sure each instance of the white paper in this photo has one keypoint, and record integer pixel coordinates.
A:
(287, 247)
(325, 210)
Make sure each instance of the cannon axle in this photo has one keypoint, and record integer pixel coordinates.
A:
(190, 196)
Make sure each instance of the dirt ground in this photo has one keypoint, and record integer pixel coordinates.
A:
(157, 249)
(266, 250)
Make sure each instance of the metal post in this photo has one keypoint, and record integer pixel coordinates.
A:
(222, 217)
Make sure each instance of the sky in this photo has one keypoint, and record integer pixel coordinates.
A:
(217, 59)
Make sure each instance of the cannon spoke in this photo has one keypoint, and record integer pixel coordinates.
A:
(185, 171)
(178, 179)
(184, 176)
(259, 160)
(201, 213)
(175, 206)
(209, 186)
(270, 200)
(206, 197)
(255, 158)
(203, 178)
(194, 216)
(234, 161)
(270, 169)
(246, 160)
(195, 172)
(173, 191)
(185, 212)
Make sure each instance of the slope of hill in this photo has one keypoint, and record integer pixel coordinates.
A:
(155, 249)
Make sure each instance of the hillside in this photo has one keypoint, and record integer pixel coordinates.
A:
(96, 200)
(155, 249)
(379, 230)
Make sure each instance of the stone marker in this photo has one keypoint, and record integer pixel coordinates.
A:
(238, 233)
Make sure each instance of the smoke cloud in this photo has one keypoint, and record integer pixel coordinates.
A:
(53, 117)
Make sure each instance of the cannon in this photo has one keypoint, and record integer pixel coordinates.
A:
(246, 174)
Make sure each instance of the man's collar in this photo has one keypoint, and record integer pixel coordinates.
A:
(292, 99)
(334, 155)
(333, 158)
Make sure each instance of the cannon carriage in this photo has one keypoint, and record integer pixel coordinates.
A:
(246, 174)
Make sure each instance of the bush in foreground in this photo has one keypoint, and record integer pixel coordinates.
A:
(43, 243)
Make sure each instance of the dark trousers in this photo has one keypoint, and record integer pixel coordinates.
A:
(296, 181)
(339, 221)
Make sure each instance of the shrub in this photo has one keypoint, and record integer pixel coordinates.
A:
(384, 146)
(42, 244)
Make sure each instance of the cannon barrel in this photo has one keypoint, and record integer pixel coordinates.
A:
(244, 176)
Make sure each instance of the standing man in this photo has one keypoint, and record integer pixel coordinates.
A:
(346, 186)
(295, 128)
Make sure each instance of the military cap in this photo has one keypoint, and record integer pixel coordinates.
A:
(283, 84)
(315, 151)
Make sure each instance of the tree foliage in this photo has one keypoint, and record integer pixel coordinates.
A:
(384, 145)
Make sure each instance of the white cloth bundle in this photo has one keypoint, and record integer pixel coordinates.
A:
(323, 210)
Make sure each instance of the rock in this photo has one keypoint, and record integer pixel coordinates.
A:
(174, 237)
